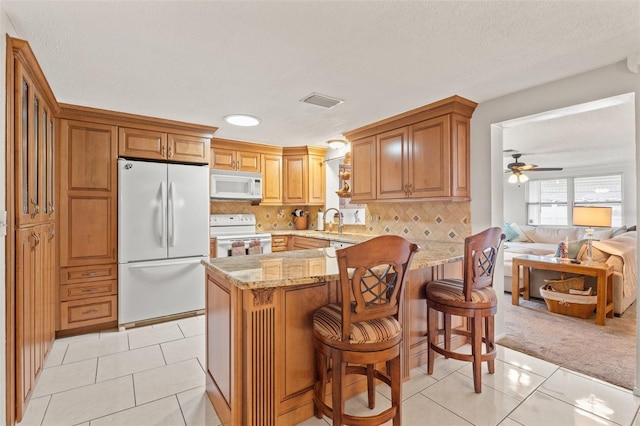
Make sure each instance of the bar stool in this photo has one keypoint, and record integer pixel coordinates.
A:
(364, 328)
(472, 297)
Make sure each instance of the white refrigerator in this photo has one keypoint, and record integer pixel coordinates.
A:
(163, 234)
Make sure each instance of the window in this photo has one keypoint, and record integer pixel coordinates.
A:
(548, 201)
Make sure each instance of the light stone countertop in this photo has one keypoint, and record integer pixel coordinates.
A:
(298, 267)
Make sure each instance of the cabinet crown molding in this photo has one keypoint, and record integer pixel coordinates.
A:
(451, 105)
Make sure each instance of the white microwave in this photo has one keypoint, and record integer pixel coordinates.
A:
(234, 185)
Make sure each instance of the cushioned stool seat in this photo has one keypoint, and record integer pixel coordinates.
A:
(451, 291)
(327, 321)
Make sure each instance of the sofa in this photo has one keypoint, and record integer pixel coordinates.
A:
(615, 246)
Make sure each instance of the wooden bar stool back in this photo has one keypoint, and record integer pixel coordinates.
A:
(472, 297)
(364, 328)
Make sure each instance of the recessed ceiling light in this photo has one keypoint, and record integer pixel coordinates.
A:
(242, 120)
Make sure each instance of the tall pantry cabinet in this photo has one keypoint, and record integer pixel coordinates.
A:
(31, 206)
(88, 224)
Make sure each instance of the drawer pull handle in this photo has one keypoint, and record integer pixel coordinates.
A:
(89, 290)
(90, 311)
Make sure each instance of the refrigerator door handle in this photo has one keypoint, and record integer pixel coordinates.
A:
(172, 214)
(163, 210)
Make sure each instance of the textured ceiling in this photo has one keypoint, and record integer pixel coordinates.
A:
(197, 61)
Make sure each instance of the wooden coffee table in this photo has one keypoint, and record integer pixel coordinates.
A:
(602, 271)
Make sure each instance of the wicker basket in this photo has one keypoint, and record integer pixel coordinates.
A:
(564, 284)
(574, 305)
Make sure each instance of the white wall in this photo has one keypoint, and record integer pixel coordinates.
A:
(487, 174)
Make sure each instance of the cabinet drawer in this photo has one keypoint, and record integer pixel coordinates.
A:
(279, 243)
(81, 313)
(83, 274)
(87, 290)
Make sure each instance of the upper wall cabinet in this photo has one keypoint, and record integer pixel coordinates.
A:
(421, 154)
(235, 155)
(34, 151)
(304, 175)
(158, 145)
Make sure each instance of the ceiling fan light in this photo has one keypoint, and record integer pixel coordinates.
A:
(513, 178)
(522, 178)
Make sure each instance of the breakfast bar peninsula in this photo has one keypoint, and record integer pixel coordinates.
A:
(259, 308)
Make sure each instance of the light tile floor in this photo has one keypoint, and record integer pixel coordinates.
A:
(155, 375)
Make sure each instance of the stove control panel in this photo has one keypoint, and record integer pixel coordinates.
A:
(232, 220)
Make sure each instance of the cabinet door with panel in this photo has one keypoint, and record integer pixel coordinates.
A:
(188, 149)
(88, 193)
(429, 159)
(460, 156)
(137, 143)
(392, 164)
(317, 179)
(30, 133)
(296, 179)
(271, 179)
(35, 247)
(363, 171)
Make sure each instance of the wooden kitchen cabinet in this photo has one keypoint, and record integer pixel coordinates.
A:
(304, 175)
(421, 154)
(34, 153)
(235, 155)
(31, 244)
(279, 243)
(35, 296)
(88, 193)
(159, 145)
(363, 169)
(297, 242)
(88, 296)
(272, 185)
(88, 221)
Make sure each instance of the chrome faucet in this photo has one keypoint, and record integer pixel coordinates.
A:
(340, 217)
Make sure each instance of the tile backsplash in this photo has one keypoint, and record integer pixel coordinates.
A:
(431, 220)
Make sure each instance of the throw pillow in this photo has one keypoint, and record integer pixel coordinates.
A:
(574, 248)
(619, 231)
(522, 237)
(509, 232)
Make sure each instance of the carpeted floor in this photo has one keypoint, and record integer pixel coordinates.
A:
(607, 353)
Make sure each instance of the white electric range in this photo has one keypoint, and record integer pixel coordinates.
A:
(236, 235)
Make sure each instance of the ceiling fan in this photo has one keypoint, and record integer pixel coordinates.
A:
(516, 168)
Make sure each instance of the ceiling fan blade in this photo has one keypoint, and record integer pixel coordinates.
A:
(545, 169)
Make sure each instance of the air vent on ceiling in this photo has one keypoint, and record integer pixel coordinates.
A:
(321, 100)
